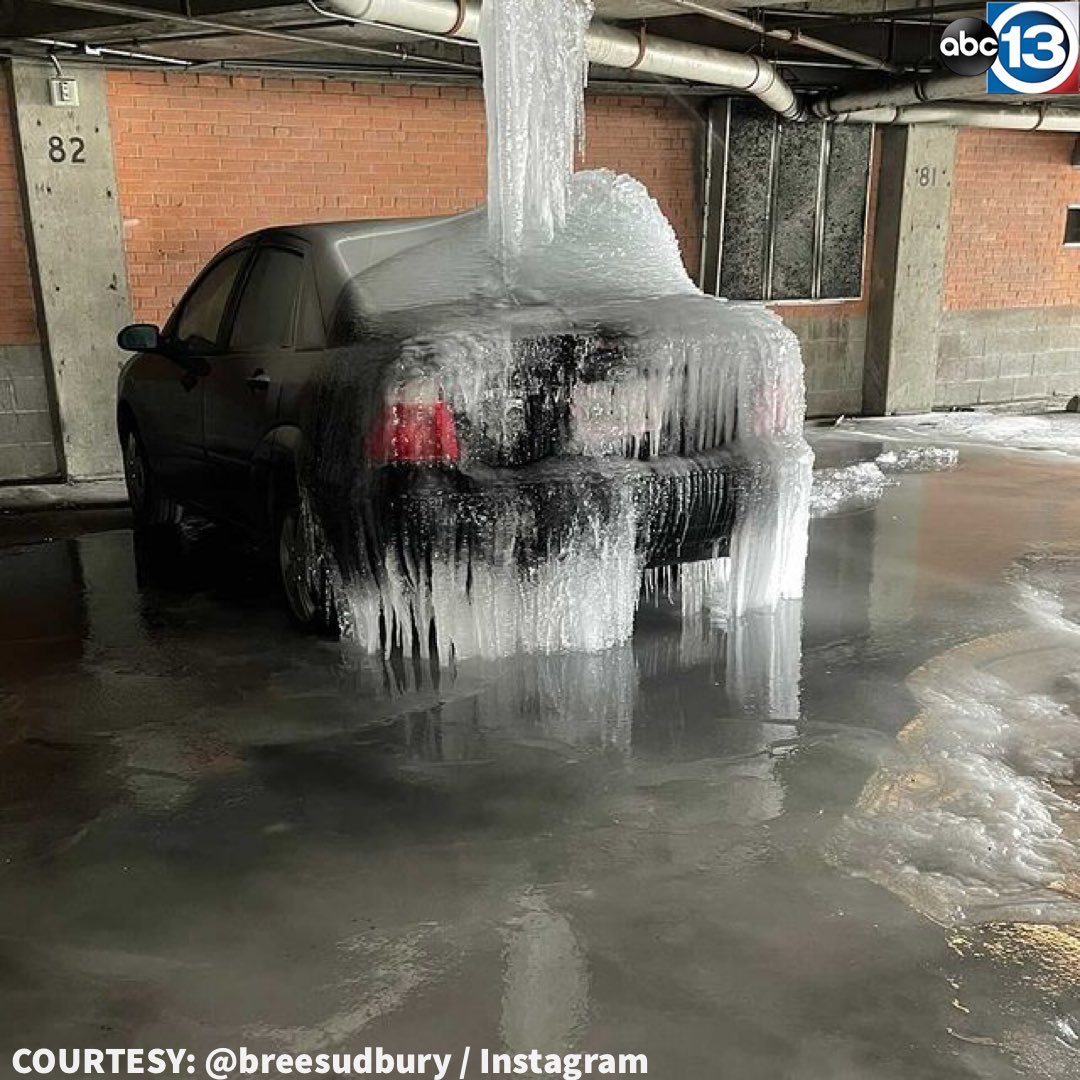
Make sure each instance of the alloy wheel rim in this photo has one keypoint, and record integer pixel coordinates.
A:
(134, 473)
(294, 560)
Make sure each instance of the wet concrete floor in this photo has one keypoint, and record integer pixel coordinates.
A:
(215, 832)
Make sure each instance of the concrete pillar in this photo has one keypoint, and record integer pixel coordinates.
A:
(907, 273)
(74, 233)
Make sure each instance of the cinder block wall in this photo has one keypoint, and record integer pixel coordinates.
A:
(833, 340)
(1011, 323)
(27, 447)
(202, 159)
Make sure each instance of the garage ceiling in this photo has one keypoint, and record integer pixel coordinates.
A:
(275, 37)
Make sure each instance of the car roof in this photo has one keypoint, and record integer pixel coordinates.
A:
(343, 249)
(328, 235)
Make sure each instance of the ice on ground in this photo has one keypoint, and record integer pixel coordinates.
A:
(587, 392)
(863, 483)
(917, 459)
(1054, 431)
(847, 487)
(974, 818)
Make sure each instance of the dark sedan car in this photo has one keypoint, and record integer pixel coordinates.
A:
(272, 379)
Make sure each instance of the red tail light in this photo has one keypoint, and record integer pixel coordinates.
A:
(411, 431)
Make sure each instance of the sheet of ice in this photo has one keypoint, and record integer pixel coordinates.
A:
(973, 819)
(1055, 431)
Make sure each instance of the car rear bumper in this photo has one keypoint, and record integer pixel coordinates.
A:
(681, 509)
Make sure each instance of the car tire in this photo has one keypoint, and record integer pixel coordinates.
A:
(149, 507)
(305, 583)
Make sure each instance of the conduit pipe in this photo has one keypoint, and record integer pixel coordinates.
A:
(1003, 117)
(910, 103)
(221, 26)
(614, 47)
(909, 93)
(608, 45)
(786, 35)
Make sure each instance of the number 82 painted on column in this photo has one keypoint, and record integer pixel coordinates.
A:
(61, 150)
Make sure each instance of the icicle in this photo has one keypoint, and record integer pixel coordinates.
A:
(533, 56)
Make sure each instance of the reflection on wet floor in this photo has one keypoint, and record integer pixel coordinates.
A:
(217, 832)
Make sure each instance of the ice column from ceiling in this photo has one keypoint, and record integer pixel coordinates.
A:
(535, 70)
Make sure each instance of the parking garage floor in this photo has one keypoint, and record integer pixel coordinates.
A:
(215, 832)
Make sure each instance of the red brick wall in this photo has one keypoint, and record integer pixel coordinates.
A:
(1010, 191)
(203, 159)
(18, 320)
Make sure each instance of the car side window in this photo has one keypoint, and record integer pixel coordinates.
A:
(266, 313)
(199, 321)
(310, 328)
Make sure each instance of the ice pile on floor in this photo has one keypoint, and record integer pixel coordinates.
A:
(917, 459)
(862, 484)
(560, 329)
(846, 488)
(974, 818)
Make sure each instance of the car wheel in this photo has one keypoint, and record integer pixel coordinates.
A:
(304, 581)
(149, 507)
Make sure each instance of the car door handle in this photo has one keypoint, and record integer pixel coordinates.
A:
(258, 381)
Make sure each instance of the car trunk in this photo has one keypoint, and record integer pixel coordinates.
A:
(598, 392)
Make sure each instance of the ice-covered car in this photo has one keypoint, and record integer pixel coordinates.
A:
(405, 428)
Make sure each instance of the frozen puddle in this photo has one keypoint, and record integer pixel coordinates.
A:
(857, 486)
(974, 818)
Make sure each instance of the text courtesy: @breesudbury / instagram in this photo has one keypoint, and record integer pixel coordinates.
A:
(226, 1062)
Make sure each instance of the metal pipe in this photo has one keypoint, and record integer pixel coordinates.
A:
(108, 51)
(786, 35)
(1003, 117)
(608, 45)
(915, 16)
(404, 29)
(909, 93)
(616, 47)
(108, 7)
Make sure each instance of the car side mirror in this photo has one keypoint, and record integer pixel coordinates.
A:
(139, 337)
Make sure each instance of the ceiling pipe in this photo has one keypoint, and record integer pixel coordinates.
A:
(786, 35)
(132, 11)
(608, 45)
(353, 20)
(924, 16)
(910, 103)
(908, 93)
(1002, 117)
(106, 52)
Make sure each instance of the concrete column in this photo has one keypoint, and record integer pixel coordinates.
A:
(907, 273)
(74, 232)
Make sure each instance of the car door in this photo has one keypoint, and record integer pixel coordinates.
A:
(171, 379)
(243, 387)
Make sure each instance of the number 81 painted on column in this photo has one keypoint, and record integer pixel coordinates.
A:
(1039, 48)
